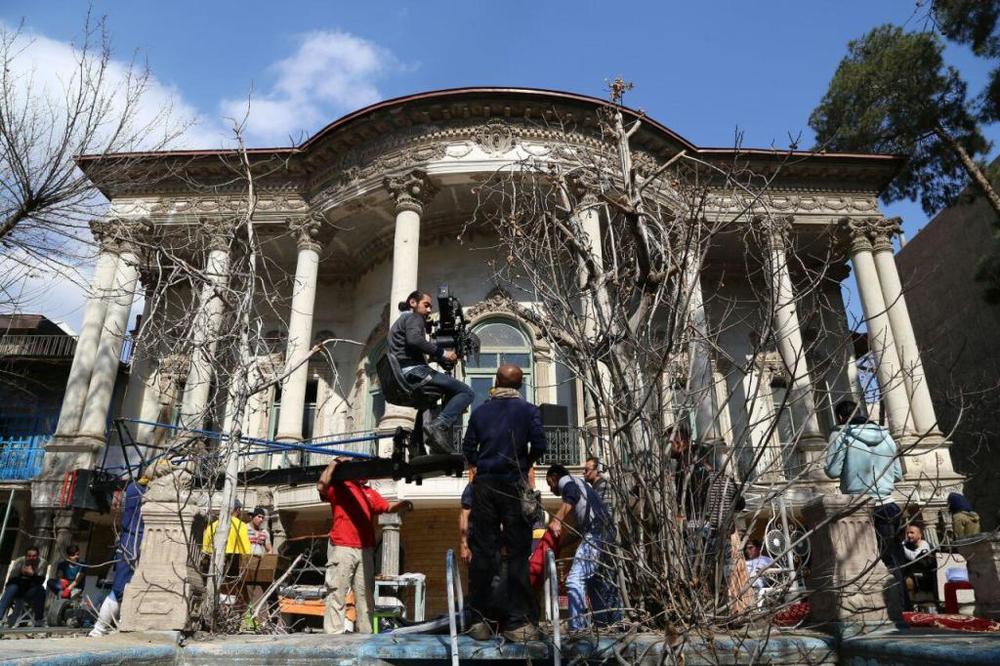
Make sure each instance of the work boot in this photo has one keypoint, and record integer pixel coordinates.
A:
(522, 634)
(480, 631)
(438, 437)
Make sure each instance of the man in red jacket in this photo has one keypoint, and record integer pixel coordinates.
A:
(350, 553)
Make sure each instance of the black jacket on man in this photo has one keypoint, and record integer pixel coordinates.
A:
(408, 341)
(498, 436)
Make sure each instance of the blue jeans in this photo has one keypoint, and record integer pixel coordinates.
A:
(30, 591)
(457, 395)
(591, 576)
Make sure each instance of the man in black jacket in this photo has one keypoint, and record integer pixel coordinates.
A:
(503, 440)
(409, 344)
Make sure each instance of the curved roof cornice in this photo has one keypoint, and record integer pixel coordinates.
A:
(456, 104)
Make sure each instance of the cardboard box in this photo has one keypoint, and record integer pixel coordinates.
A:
(259, 569)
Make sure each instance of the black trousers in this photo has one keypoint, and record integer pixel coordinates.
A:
(496, 506)
(886, 519)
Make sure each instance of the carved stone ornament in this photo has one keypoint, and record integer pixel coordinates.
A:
(496, 302)
(496, 137)
(870, 234)
(217, 233)
(882, 232)
(858, 232)
(584, 186)
(307, 231)
(411, 190)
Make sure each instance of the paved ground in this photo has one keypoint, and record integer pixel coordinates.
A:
(919, 648)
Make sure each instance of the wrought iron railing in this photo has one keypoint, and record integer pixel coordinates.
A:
(21, 457)
(38, 346)
(567, 445)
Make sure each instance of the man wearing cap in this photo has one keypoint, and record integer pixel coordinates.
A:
(350, 552)
(260, 538)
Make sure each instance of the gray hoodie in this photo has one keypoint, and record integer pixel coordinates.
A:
(865, 459)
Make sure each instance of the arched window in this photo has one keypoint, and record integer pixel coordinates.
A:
(501, 342)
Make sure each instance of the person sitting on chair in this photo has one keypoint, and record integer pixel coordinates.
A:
(919, 563)
(69, 574)
(27, 574)
(409, 344)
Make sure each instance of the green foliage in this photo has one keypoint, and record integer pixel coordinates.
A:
(975, 23)
(893, 93)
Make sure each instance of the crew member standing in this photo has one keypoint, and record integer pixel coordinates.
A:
(503, 440)
(350, 552)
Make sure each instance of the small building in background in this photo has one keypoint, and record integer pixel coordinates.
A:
(35, 358)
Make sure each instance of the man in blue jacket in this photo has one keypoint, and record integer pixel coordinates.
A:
(502, 442)
(864, 457)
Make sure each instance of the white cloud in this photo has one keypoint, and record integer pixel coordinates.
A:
(330, 73)
(48, 68)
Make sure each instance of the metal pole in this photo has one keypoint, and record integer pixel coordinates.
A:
(550, 560)
(450, 582)
(6, 515)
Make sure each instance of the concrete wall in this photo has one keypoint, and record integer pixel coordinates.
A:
(958, 335)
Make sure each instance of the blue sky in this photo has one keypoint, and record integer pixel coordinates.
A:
(704, 69)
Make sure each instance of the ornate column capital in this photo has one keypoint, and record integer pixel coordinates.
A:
(776, 229)
(584, 186)
(307, 229)
(114, 235)
(217, 233)
(882, 232)
(858, 232)
(412, 190)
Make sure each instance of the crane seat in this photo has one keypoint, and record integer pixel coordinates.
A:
(397, 390)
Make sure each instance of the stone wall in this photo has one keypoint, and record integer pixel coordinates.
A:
(957, 334)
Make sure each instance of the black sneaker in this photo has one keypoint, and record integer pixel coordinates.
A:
(438, 438)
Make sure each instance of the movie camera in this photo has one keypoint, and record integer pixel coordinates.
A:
(451, 330)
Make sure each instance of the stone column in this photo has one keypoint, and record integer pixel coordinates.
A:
(879, 332)
(300, 321)
(166, 590)
(788, 336)
(205, 330)
(922, 409)
(848, 583)
(140, 393)
(80, 371)
(701, 383)
(391, 524)
(93, 424)
(593, 318)
(411, 191)
(760, 417)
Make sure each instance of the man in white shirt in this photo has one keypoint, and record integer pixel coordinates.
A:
(757, 562)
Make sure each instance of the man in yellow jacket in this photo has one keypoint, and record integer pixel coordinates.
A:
(238, 542)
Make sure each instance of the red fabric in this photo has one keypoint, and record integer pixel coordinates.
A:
(65, 589)
(951, 595)
(354, 508)
(536, 563)
(957, 622)
(792, 615)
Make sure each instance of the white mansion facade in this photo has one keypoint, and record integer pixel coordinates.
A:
(371, 207)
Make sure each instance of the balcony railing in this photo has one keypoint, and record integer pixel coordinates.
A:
(38, 346)
(21, 457)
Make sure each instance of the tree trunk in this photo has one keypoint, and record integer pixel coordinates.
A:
(975, 173)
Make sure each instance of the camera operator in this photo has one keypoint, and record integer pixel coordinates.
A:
(409, 344)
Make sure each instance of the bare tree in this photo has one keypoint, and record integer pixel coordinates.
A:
(96, 107)
(602, 250)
